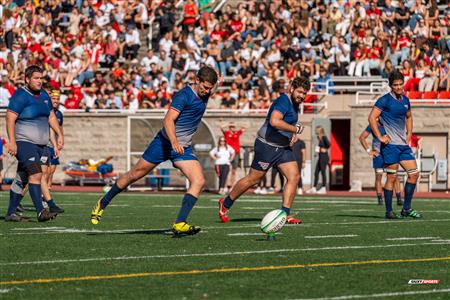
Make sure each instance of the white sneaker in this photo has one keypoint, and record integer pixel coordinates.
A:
(322, 190)
(299, 191)
(225, 190)
(271, 190)
(263, 191)
(311, 191)
(257, 190)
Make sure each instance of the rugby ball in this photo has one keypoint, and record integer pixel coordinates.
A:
(273, 221)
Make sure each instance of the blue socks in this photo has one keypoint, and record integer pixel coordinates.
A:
(186, 206)
(388, 199)
(36, 196)
(409, 192)
(51, 203)
(228, 202)
(14, 201)
(110, 195)
(287, 210)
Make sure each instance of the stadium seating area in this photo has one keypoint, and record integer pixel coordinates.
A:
(116, 54)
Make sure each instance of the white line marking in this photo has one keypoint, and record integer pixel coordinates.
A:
(394, 294)
(413, 238)
(330, 236)
(249, 233)
(304, 201)
(38, 228)
(211, 254)
(441, 240)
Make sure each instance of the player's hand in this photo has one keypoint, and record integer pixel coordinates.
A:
(178, 148)
(385, 139)
(294, 138)
(60, 142)
(373, 153)
(56, 152)
(12, 149)
(408, 139)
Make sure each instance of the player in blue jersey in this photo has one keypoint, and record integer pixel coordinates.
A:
(28, 121)
(49, 170)
(394, 113)
(173, 142)
(273, 149)
(378, 163)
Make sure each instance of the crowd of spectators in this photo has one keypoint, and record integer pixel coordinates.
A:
(100, 54)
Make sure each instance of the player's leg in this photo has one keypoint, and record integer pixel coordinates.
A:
(194, 173)
(15, 196)
(378, 186)
(252, 178)
(46, 155)
(51, 173)
(139, 170)
(391, 171)
(398, 191)
(290, 171)
(413, 175)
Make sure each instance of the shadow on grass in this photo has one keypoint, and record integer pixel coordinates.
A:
(362, 216)
(246, 220)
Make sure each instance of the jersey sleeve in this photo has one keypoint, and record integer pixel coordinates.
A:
(281, 105)
(178, 102)
(381, 103)
(17, 103)
(213, 152)
(407, 102)
(62, 118)
(368, 129)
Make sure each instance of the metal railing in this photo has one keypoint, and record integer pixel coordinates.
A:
(364, 98)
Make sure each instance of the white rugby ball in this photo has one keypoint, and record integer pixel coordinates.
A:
(273, 221)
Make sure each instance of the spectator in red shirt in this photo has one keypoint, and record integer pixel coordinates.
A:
(232, 137)
(72, 102)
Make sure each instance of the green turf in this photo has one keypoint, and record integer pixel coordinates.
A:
(132, 238)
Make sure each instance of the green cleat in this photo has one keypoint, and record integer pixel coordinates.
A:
(411, 213)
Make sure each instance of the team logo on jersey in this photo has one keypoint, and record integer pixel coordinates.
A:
(263, 165)
(44, 159)
(31, 159)
(406, 106)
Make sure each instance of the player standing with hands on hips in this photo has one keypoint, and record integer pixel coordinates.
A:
(394, 113)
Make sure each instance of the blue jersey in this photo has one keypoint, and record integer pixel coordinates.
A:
(393, 117)
(191, 108)
(32, 116)
(59, 117)
(376, 143)
(272, 136)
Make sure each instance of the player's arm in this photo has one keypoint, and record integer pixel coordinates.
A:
(169, 126)
(11, 118)
(54, 142)
(54, 124)
(409, 126)
(304, 157)
(362, 139)
(276, 121)
(373, 116)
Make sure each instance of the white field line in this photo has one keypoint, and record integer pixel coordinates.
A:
(381, 295)
(441, 240)
(75, 230)
(330, 236)
(38, 228)
(250, 234)
(300, 201)
(119, 258)
(413, 238)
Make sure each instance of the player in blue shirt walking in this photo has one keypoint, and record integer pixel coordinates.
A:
(394, 113)
(27, 122)
(173, 142)
(273, 149)
(378, 163)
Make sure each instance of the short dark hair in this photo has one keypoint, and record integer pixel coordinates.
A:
(396, 75)
(301, 82)
(31, 70)
(207, 73)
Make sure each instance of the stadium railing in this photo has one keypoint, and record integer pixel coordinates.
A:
(370, 98)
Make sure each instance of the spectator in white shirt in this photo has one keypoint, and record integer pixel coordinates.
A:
(222, 155)
(132, 43)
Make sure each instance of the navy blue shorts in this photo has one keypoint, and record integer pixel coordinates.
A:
(29, 153)
(267, 156)
(394, 154)
(54, 160)
(378, 162)
(160, 150)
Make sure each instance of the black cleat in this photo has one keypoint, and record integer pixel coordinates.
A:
(45, 216)
(56, 209)
(399, 202)
(392, 216)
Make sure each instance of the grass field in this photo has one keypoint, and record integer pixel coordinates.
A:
(344, 250)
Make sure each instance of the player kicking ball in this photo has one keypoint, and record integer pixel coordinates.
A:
(273, 149)
(394, 113)
(173, 142)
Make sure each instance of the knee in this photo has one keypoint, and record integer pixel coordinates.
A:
(35, 178)
(199, 182)
(413, 176)
(294, 178)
